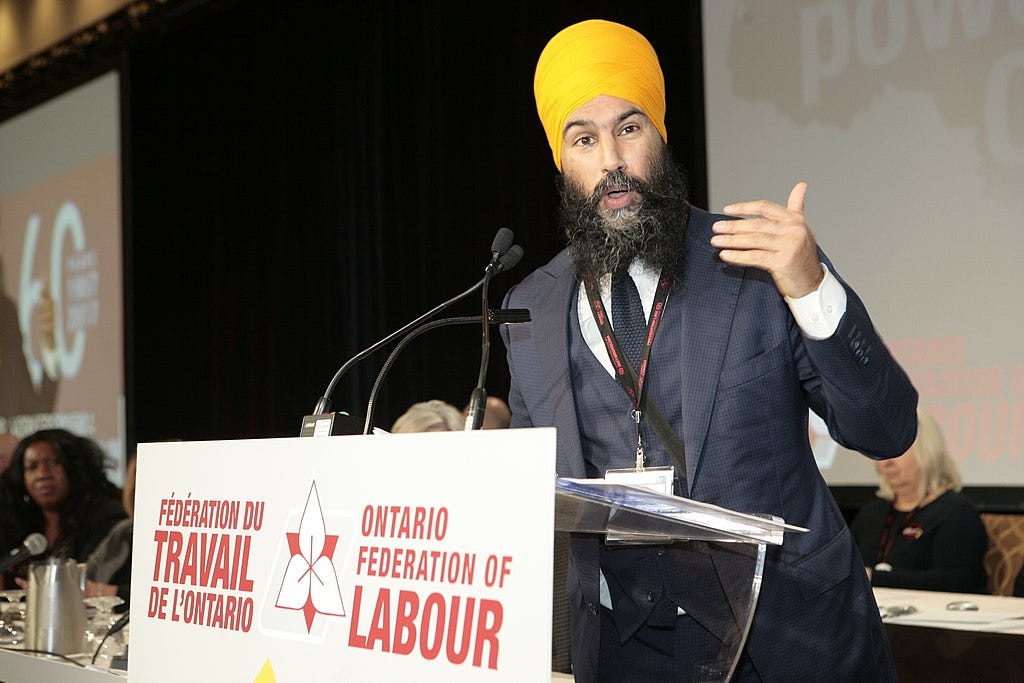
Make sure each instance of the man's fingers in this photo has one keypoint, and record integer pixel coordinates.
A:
(747, 240)
(761, 207)
(745, 226)
(796, 197)
(771, 210)
(756, 258)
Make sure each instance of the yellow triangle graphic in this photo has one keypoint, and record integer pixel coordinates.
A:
(266, 674)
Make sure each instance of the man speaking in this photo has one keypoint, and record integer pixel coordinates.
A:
(690, 347)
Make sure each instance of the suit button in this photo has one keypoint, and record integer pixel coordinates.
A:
(650, 596)
(661, 552)
(864, 360)
(855, 344)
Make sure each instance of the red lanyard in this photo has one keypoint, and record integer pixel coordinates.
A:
(885, 544)
(630, 379)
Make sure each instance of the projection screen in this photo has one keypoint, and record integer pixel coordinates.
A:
(906, 118)
(60, 242)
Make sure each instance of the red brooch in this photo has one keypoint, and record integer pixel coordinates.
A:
(913, 531)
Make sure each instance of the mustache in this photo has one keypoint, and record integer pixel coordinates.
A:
(616, 180)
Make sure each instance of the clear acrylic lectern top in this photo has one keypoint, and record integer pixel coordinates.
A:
(729, 544)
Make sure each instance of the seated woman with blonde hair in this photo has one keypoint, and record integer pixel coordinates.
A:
(430, 416)
(921, 532)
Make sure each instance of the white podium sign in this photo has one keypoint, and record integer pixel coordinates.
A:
(421, 557)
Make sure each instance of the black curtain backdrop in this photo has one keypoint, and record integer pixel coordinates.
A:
(302, 178)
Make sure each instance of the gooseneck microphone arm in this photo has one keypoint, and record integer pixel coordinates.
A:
(499, 246)
(478, 399)
(432, 325)
(323, 406)
(501, 316)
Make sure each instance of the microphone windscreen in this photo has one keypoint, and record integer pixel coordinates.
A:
(36, 543)
(511, 257)
(502, 241)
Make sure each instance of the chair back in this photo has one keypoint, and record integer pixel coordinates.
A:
(1005, 555)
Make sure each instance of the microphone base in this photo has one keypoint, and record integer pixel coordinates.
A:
(330, 424)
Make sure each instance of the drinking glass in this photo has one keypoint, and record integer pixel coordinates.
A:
(12, 617)
(101, 619)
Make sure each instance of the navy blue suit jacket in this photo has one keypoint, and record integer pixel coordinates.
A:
(749, 377)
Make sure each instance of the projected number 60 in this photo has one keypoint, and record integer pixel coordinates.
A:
(68, 223)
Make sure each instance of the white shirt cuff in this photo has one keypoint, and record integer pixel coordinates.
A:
(819, 312)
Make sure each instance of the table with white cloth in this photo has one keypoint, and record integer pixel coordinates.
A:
(933, 642)
(19, 667)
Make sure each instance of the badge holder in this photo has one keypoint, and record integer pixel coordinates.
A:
(655, 479)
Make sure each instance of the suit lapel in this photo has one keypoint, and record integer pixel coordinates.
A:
(709, 295)
(552, 313)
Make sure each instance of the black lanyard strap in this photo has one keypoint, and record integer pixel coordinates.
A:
(886, 543)
(632, 381)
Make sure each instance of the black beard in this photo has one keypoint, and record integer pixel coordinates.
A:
(653, 232)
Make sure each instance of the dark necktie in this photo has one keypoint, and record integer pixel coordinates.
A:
(628, 319)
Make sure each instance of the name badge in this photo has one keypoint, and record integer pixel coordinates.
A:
(656, 479)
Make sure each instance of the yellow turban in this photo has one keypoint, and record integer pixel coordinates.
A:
(596, 58)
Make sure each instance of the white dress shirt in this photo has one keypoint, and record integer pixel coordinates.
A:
(817, 314)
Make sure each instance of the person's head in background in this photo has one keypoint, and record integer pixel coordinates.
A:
(51, 466)
(924, 472)
(8, 442)
(496, 414)
(429, 416)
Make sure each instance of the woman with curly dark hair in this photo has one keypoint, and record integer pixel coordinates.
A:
(56, 485)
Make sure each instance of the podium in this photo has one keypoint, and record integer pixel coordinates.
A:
(728, 547)
(390, 557)
(344, 558)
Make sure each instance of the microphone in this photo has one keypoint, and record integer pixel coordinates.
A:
(509, 259)
(33, 545)
(500, 316)
(321, 421)
(478, 399)
(499, 246)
